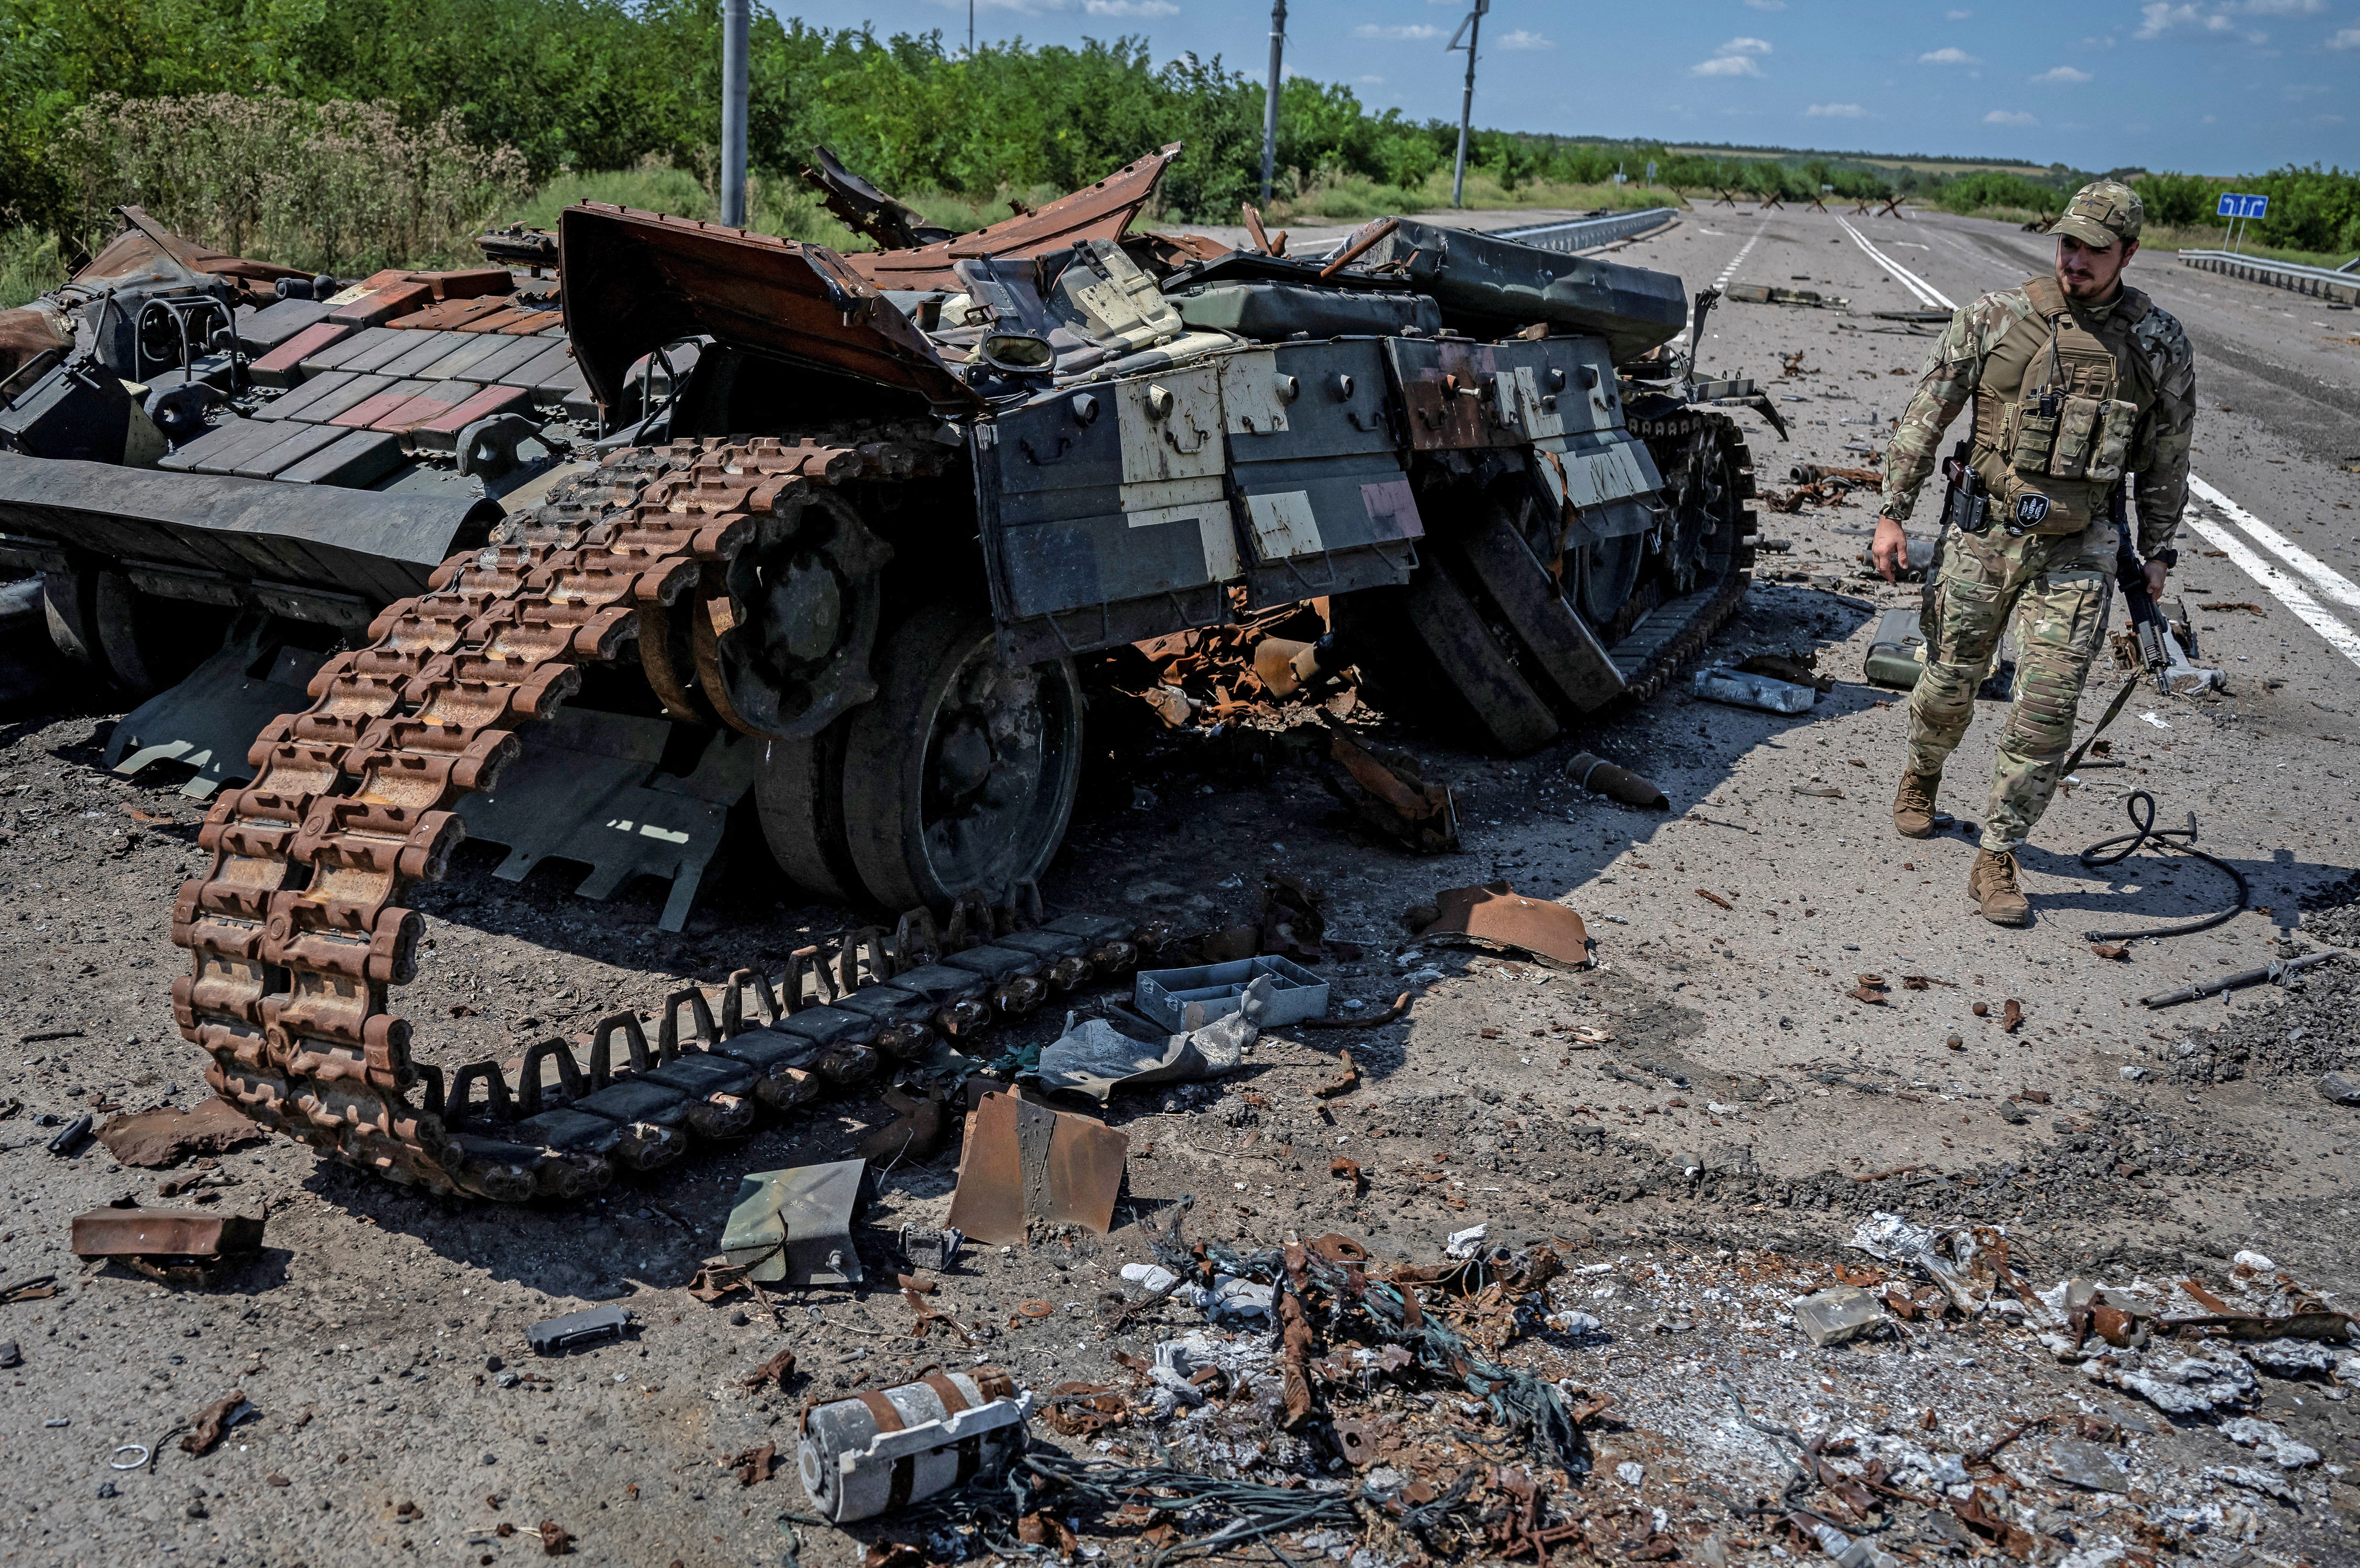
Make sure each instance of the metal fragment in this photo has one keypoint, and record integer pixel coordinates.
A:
(795, 1226)
(1023, 1163)
(1496, 918)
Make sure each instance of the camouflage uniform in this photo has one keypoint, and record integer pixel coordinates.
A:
(2063, 584)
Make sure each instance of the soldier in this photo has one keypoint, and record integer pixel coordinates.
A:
(2076, 381)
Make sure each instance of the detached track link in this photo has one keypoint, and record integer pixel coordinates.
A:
(298, 931)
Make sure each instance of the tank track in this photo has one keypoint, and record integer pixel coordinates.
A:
(298, 932)
(1677, 630)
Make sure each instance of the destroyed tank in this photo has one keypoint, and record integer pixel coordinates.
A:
(846, 533)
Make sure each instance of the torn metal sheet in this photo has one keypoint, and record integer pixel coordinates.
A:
(1496, 918)
(1102, 211)
(1022, 1163)
(167, 1135)
(1094, 1058)
(636, 281)
(795, 1227)
(163, 1234)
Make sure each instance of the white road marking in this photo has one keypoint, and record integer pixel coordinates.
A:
(2281, 586)
(1926, 293)
(1738, 260)
(2323, 577)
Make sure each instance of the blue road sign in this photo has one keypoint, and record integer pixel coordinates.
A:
(2236, 206)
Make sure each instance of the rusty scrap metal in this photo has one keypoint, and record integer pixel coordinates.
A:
(213, 1422)
(1347, 1079)
(1389, 797)
(775, 1371)
(159, 1234)
(1024, 1163)
(1494, 918)
(1083, 1409)
(1103, 210)
(1595, 773)
(866, 210)
(39, 1286)
(1399, 1010)
(165, 1135)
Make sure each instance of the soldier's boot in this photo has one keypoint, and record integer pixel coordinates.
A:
(1992, 884)
(1913, 808)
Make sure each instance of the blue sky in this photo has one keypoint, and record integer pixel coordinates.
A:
(2210, 86)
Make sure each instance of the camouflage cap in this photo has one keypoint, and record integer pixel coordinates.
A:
(2101, 212)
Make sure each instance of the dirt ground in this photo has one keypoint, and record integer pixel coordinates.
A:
(1695, 1172)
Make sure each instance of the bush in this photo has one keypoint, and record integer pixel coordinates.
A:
(334, 186)
(1994, 188)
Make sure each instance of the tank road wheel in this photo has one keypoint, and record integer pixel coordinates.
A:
(1607, 573)
(962, 773)
(799, 797)
(68, 603)
(100, 621)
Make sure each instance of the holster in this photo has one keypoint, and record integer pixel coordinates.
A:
(1966, 499)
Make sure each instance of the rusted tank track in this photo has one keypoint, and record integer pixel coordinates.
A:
(298, 931)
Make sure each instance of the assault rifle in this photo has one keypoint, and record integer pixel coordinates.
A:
(2157, 653)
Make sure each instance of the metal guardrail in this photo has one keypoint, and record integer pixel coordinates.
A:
(1585, 233)
(2319, 280)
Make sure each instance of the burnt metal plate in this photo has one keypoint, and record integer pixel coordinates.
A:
(1496, 917)
(635, 281)
(1024, 1163)
(1103, 210)
(795, 1227)
(163, 1232)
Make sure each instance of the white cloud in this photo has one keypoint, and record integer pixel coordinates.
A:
(1373, 81)
(2160, 16)
(1521, 40)
(1766, 5)
(2278, 7)
(1959, 15)
(2349, 38)
(2296, 92)
(2330, 119)
(1744, 46)
(2063, 74)
(1948, 54)
(2009, 118)
(1130, 7)
(1726, 65)
(1836, 111)
(1416, 33)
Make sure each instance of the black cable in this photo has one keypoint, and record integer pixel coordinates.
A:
(2146, 832)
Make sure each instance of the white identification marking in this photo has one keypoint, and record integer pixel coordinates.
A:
(1283, 525)
(649, 830)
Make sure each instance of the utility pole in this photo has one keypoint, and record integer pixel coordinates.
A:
(1472, 28)
(970, 29)
(734, 16)
(1270, 100)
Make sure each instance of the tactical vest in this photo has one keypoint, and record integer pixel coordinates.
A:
(2057, 412)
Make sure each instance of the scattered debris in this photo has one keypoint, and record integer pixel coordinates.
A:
(166, 1244)
(40, 1287)
(2178, 1386)
(68, 1141)
(1722, 683)
(915, 1134)
(771, 1373)
(555, 1541)
(1837, 1316)
(214, 1422)
(886, 1448)
(1768, 294)
(1494, 918)
(165, 1137)
(574, 1331)
(2342, 1088)
(1714, 899)
(1022, 1162)
(2011, 1016)
(1595, 773)
(795, 1226)
(2275, 972)
(1383, 789)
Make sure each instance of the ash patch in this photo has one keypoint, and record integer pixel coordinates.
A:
(2310, 1027)
(2332, 914)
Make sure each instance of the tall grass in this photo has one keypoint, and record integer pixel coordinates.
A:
(337, 187)
(30, 265)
